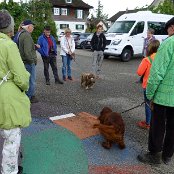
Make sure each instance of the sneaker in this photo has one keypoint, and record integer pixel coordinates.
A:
(20, 170)
(58, 82)
(34, 99)
(150, 158)
(143, 125)
(166, 160)
(64, 78)
(47, 82)
(69, 77)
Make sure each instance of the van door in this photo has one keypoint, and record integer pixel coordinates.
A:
(137, 38)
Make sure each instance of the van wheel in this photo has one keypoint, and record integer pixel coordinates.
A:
(106, 56)
(126, 55)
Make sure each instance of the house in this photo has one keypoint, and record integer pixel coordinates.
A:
(117, 15)
(70, 14)
(96, 22)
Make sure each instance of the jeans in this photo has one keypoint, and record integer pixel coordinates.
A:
(66, 68)
(52, 61)
(147, 108)
(97, 62)
(31, 68)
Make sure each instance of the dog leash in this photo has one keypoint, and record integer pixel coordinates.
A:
(133, 108)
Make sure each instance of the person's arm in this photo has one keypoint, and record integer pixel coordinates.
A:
(92, 42)
(39, 42)
(159, 67)
(104, 42)
(17, 68)
(63, 45)
(142, 67)
(73, 46)
(28, 46)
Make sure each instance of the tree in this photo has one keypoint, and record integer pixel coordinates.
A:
(99, 12)
(167, 7)
(40, 12)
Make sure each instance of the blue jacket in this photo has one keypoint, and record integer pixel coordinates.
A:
(44, 48)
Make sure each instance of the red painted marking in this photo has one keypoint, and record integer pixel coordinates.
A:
(139, 169)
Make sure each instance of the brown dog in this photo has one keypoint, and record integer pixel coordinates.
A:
(111, 127)
(87, 80)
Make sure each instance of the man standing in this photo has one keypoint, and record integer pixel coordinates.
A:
(98, 44)
(48, 51)
(160, 90)
(28, 54)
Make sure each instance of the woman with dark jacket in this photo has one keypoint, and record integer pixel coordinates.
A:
(98, 44)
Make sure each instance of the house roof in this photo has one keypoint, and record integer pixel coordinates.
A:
(117, 15)
(75, 4)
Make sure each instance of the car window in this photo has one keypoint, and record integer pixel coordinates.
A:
(139, 28)
(159, 27)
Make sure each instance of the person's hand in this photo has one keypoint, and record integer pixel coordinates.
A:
(151, 105)
(37, 46)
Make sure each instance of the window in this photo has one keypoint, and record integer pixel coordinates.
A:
(68, 1)
(64, 11)
(139, 28)
(63, 26)
(121, 27)
(80, 14)
(79, 27)
(56, 11)
(159, 27)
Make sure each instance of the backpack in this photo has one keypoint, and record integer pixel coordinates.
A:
(16, 37)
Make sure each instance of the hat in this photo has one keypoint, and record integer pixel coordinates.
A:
(27, 22)
(48, 28)
(6, 22)
(169, 23)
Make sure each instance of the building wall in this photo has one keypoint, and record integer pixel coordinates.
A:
(72, 26)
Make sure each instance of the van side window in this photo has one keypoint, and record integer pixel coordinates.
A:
(139, 28)
(159, 27)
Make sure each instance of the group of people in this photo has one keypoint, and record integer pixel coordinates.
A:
(18, 62)
(157, 69)
(18, 76)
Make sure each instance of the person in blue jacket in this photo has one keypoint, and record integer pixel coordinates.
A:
(48, 51)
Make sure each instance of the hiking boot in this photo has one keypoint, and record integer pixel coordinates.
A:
(69, 77)
(34, 99)
(58, 82)
(150, 158)
(47, 82)
(166, 160)
(20, 170)
(143, 125)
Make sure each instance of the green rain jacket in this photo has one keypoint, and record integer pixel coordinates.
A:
(160, 86)
(14, 104)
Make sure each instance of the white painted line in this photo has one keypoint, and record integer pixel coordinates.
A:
(62, 116)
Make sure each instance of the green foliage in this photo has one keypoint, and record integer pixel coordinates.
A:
(167, 7)
(40, 12)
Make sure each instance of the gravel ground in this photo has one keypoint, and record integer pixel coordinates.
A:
(117, 89)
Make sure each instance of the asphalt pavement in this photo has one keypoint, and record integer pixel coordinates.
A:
(117, 89)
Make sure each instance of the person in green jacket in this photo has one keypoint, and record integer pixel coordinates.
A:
(14, 103)
(160, 90)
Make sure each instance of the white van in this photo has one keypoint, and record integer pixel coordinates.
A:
(126, 36)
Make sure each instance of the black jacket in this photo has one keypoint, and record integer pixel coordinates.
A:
(98, 43)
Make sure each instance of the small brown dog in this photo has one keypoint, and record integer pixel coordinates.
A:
(87, 80)
(112, 127)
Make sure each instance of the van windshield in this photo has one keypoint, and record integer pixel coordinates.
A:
(121, 27)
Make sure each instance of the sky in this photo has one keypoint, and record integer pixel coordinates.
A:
(111, 7)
